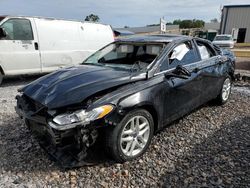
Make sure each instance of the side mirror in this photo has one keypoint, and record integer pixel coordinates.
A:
(172, 75)
(180, 70)
(2, 33)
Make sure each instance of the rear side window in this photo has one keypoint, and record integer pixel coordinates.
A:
(205, 50)
(18, 29)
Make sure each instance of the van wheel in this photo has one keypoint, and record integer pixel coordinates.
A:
(225, 92)
(1, 78)
(131, 137)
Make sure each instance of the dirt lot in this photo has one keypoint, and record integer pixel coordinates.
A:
(209, 147)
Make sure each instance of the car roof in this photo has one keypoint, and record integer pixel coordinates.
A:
(154, 38)
(50, 18)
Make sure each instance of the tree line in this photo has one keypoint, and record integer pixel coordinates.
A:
(189, 23)
(184, 24)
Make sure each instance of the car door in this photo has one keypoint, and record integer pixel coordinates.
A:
(181, 95)
(19, 52)
(210, 70)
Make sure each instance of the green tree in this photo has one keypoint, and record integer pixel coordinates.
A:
(92, 18)
(198, 23)
(184, 24)
(177, 22)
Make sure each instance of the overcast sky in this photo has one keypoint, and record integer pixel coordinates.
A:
(119, 13)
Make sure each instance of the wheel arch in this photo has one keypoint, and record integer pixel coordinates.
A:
(231, 74)
(151, 109)
(231, 69)
(1, 70)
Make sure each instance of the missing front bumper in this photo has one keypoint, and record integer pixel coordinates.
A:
(67, 157)
(71, 148)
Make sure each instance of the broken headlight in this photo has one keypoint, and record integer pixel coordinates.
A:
(71, 120)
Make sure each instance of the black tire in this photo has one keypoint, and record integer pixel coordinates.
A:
(1, 78)
(113, 136)
(220, 99)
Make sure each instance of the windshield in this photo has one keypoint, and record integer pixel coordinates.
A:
(126, 56)
(223, 38)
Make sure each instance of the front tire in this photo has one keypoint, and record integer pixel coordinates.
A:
(1, 78)
(131, 137)
(225, 92)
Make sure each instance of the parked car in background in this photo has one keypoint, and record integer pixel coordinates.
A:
(224, 41)
(124, 93)
(31, 45)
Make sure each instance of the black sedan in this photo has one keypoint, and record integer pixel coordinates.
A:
(124, 93)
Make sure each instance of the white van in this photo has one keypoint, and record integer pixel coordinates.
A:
(31, 45)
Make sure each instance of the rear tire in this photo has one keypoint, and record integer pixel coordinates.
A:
(225, 92)
(131, 137)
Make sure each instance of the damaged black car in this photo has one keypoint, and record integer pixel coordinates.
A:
(124, 93)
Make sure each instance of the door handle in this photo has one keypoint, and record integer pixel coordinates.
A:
(36, 45)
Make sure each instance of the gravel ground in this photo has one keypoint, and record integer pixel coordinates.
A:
(208, 148)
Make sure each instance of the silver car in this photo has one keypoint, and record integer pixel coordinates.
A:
(224, 41)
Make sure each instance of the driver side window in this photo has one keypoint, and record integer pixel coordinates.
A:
(182, 54)
(205, 51)
(17, 29)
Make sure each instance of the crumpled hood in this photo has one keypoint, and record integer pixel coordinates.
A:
(73, 85)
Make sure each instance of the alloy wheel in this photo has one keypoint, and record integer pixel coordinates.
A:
(135, 136)
(226, 89)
